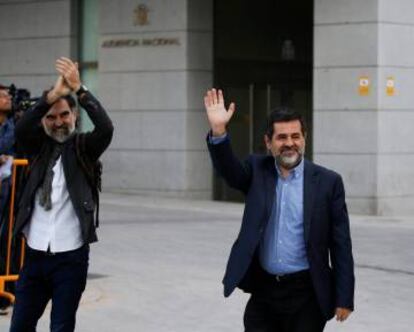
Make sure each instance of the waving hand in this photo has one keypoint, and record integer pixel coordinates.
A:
(217, 114)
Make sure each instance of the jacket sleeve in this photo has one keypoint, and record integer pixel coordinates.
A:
(235, 173)
(29, 131)
(100, 137)
(341, 249)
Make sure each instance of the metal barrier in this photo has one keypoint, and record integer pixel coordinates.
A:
(8, 277)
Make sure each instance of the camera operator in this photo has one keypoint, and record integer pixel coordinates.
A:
(6, 150)
(6, 140)
(6, 122)
(13, 103)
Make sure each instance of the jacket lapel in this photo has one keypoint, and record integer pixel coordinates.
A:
(270, 178)
(69, 163)
(309, 192)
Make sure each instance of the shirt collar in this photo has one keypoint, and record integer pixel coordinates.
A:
(296, 172)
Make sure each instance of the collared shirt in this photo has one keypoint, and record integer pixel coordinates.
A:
(217, 139)
(59, 228)
(283, 248)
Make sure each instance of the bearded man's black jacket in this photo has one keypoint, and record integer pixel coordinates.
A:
(33, 139)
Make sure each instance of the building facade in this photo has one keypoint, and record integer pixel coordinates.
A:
(346, 65)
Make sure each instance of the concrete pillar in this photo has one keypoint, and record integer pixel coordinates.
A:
(366, 137)
(153, 89)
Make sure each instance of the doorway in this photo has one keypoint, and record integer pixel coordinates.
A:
(263, 59)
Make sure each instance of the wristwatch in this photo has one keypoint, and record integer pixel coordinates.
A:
(81, 90)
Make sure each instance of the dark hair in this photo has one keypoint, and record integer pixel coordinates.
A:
(283, 115)
(69, 99)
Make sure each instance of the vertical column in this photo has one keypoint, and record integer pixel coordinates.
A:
(199, 79)
(345, 116)
(395, 108)
(88, 51)
(366, 134)
(154, 63)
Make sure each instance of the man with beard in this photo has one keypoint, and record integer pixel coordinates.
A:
(56, 210)
(293, 252)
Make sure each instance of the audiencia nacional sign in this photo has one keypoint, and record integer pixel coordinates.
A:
(113, 43)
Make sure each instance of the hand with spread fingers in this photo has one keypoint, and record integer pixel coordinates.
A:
(217, 114)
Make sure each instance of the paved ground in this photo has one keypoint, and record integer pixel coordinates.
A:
(159, 264)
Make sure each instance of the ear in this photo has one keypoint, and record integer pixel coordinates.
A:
(43, 121)
(267, 142)
(75, 113)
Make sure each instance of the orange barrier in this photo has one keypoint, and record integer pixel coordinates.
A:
(8, 277)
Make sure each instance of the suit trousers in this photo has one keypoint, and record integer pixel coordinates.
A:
(285, 304)
(59, 277)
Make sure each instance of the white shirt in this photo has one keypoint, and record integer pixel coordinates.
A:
(59, 228)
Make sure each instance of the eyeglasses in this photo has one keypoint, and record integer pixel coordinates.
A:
(4, 95)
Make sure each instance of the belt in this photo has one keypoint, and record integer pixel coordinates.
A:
(48, 253)
(36, 252)
(300, 275)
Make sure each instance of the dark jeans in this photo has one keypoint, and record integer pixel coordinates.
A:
(288, 305)
(4, 198)
(4, 228)
(61, 278)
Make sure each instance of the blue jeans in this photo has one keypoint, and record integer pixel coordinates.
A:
(58, 277)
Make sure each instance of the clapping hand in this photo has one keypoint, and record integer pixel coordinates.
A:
(68, 80)
(70, 72)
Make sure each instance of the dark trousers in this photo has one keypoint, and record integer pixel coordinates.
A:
(286, 304)
(4, 198)
(61, 278)
(4, 230)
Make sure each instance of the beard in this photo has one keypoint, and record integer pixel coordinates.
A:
(289, 161)
(60, 134)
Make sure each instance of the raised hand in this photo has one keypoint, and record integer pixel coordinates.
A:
(70, 72)
(217, 115)
(60, 89)
(68, 80)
